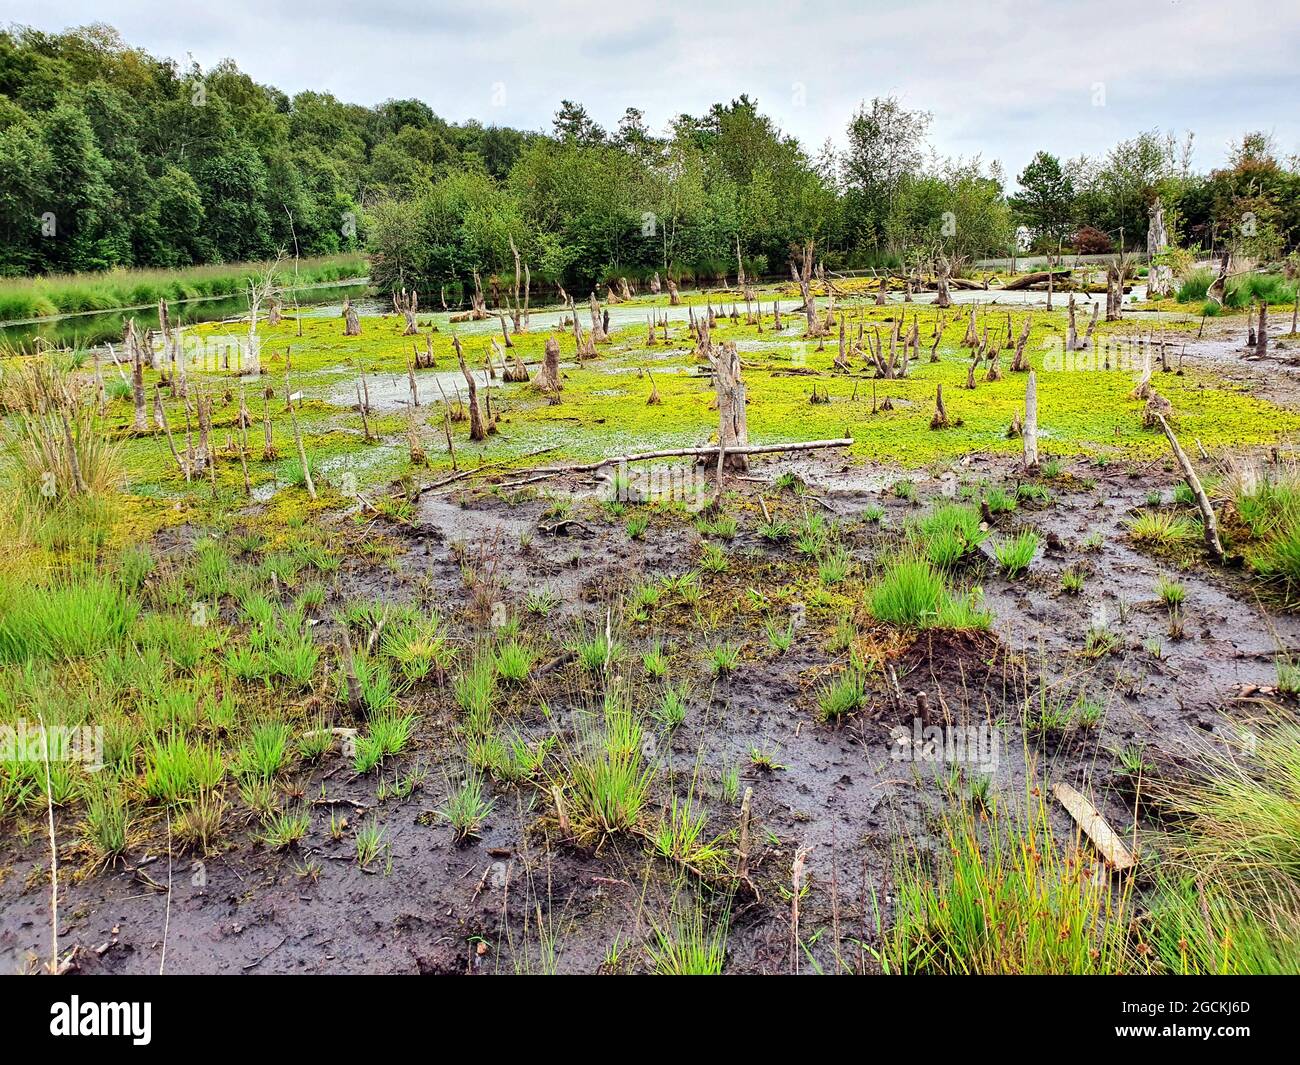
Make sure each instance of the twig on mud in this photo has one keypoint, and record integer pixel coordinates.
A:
(796, 884)
(258, 961)
(167, 916)
(560, 659)
(340, 802)
(54, 853)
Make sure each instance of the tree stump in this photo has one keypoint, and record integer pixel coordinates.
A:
(733, 429)
(405, 304)
(548, 377)
(940, 419)
(1029, 433)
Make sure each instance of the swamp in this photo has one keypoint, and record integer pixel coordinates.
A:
(471, 603)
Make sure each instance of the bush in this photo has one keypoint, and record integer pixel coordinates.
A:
(1092, 241)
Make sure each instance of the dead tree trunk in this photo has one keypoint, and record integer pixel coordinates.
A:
(674, 299)
(548, 377)
(1219, 286)
(302, 455)
(406, 305)
(1209, 524)
(1020, 362)
(477, 426)
(1029, 432)
(1261, 334)
(132, 344)
(942, 299)
(803, 276)
(260, 290)
(940, 419)
(516, 310)
(1159, 275)
(351, 321)
(733, 430)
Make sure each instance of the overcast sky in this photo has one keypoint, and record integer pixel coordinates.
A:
(1001, 78)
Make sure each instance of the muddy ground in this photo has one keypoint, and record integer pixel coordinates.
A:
(518, 899)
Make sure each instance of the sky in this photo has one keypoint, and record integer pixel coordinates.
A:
(1002, 79)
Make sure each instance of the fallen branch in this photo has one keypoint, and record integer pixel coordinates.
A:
(1209, 524)
(1094, 826)
(691, 452)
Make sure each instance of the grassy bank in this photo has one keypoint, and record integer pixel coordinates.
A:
(1240, 292)
(44, 297)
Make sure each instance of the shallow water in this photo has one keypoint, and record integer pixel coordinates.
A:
(96, 328)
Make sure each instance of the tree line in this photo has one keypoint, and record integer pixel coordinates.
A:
(112, 157)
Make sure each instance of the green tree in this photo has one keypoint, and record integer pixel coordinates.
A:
(1046, 201)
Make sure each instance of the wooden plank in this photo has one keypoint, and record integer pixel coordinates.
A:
(1094, 826)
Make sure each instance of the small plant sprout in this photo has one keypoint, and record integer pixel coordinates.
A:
(764, 760)
(671, 711)
(779, 637)
(541, 601)
(723, 659)
(467, 808)
(713, 559)
(1171, 593)
(1071, 581)
(655, 661)
(370, 843)
(284, 829)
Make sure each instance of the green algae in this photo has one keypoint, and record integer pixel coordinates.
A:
(603, 409)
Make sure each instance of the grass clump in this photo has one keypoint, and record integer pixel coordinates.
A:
(949, 533)
(513, 661)
(389, 734)
(176, 771)
(467, 808)
(608, 779)
(673, 704)
(1159, 528)
(840, 697)
(913, 592)
(723, 659)
(689, 945)
(108, 816)
(1006, 899)
(1015, 555)
(75, 617)
(285, 829)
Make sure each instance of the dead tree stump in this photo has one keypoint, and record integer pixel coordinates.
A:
(477, 425)
(733, 429)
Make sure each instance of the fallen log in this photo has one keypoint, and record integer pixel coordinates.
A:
(1038, 278)
(691, 452)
